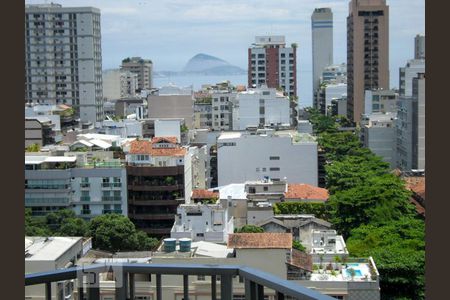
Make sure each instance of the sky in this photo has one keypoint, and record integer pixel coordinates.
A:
(170, 32)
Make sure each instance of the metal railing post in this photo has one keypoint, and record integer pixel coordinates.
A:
(158, 287)
(93, 293)
(226, 287)
(280, 296)
(132, 286)
(80, 288)
(260, 291)
(48, 291)
(185, 287)
(121, 290)
(250, 290)
(213, 287)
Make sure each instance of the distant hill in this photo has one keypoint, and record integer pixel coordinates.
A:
(204, 64)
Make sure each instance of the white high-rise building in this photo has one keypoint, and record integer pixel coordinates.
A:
(407, 73)
(242, 156)
(322, 42)
(63, 58)
(419, 47)
(261, 107)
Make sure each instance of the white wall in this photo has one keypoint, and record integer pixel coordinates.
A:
(166, 128)
(237, 164)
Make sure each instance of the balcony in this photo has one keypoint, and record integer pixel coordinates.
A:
(152, 216)
(254, 280)
(156, 202)
(112, 211)
(155, 188)
(85, 211)
(111, 185)
(85, 198)
(112, 198)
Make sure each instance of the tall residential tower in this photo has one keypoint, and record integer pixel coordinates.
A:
(63, 58)
(367, 51)
(322, 42)
(419, 47)
(141, 67)
(273, 64)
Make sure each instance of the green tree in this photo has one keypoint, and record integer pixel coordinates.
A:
(378, 200)
(249, 229)
(55, 219)
(320, 210)
(352, 171)
(33, 148)
(298, 246)
(144, 242)
(398, 248)
(73, 227)
(35, 226)
(113, 232)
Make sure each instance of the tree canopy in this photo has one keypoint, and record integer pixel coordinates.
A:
(249, 229)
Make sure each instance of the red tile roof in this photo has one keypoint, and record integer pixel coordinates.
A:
(145, 147)
(301, 260)
(204, 194)
(260, 240)
(306, 191)
(140, 147)
(167, 139)
(416, 185)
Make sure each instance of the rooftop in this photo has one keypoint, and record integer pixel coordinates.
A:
(48, 248)
(204, 194)
(146, 147)
(260, 240)
(306, 191)
(39, 159)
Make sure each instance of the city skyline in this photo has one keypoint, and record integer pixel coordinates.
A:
(141, 28)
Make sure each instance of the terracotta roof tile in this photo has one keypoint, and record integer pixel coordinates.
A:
(416, 185)
(140, 147)
(301, 260)
(260, 240)
(306, 191)
(146, 147)
(168, 139)
(204, 194)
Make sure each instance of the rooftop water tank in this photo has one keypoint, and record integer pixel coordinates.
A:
(170, 245)
(185, 245)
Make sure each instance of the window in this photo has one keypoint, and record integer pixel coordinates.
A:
(200, 235)
(251, 190)
(201, 277)
(264, 169)
(266, 188)
(274, 169)
(274, 158)
(105, 179)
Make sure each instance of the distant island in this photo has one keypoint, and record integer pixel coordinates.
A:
(204, 64)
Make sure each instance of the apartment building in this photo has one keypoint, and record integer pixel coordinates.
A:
(367, 52)
(243, 156)
(143, 68)
(161, 175)
(261, 107)
(39, 131)
(59, 182)
(412, 68)
(179, 106)
(119, 84)
(379, 134)
(411, 128)
(273, 64)
(332, 85)
(419, 46)
(63, 59)
(322, 42)
(202, 222)
(380, 101)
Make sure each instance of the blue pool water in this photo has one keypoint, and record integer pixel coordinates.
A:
(357, 273)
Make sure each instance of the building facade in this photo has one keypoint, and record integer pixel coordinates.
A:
(367, 51)
(58, 182)
(407, 73)
(273, 64)
(380, 101)
(379, 134)
(419, 46)
(143, 68)
(63, 60)
(119, 84)
(261, 107)
(332, 85)
(243, 156)
(411, 128)
(322, 42)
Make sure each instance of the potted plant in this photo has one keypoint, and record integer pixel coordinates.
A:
(337, 260)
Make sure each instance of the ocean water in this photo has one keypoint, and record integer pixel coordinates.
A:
(304, 83)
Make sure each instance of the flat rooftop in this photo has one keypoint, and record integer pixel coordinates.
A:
(48, 248)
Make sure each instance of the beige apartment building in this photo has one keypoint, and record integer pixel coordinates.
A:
(367, 51)
(142, 67)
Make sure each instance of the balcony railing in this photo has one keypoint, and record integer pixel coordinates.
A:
(112, 211)
(254, 280)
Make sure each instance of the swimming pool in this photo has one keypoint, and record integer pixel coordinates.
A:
(357, 273)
